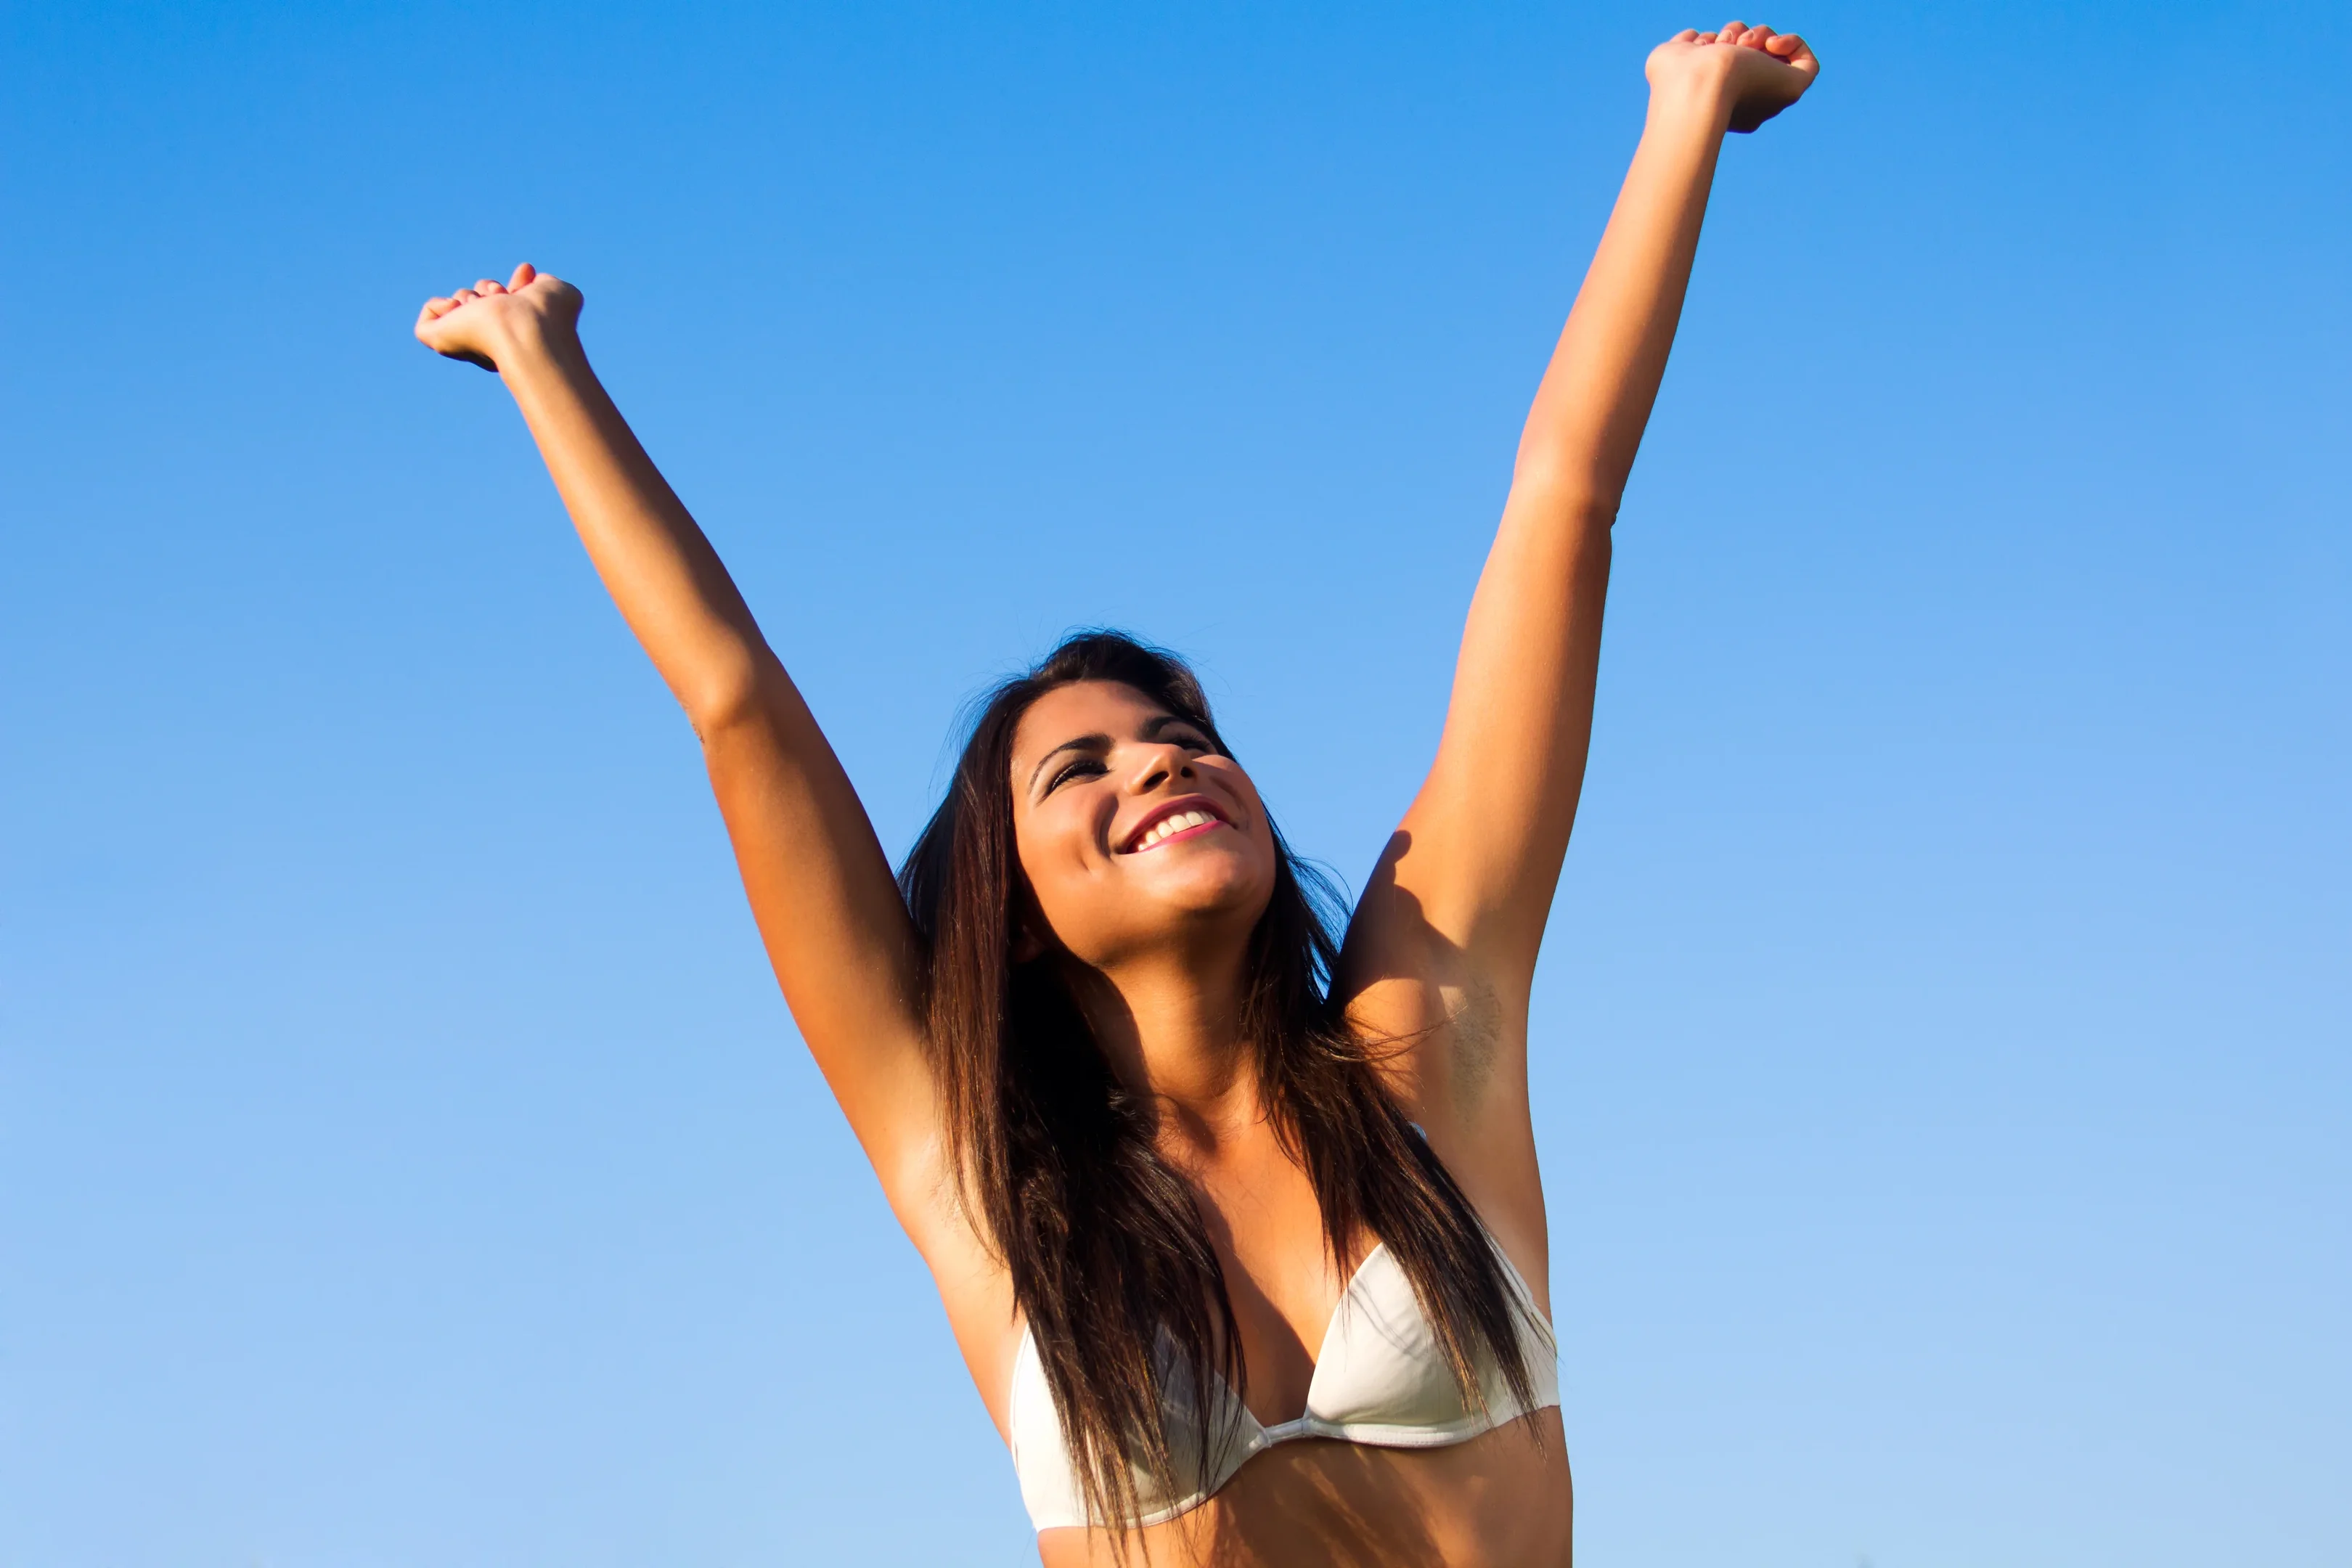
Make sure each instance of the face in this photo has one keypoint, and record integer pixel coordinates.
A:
(1135, 836)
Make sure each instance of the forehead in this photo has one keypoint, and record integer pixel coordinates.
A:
(1082, 708)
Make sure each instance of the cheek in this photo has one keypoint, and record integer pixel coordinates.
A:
(1261, 834)
(1055, 847)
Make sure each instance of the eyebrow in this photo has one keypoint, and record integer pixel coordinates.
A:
(1096, 742)
(1102, 742)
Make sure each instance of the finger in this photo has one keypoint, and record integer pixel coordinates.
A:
(1758, 37)
(1731, 31)
(464, 297)
(437, 307)
(522, 277)
(488, 286)
(1798, 53)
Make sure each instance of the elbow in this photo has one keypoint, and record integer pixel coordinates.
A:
(1564, 489)
(729, 694)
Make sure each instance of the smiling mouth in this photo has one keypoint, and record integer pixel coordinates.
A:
(1178, 824)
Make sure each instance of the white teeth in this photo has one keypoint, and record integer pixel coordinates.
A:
(1176, 823)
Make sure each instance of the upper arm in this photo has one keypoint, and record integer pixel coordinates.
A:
(1480, 848)
(846, 954)
(1441, 955)
(844, 950)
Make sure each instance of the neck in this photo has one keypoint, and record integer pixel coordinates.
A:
(1171, 1026)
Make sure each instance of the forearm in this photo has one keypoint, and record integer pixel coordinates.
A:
(820, 886)
(662, 573)
(1493, 821)
(1588, 412)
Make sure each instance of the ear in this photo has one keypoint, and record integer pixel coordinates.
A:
(1028, 945)
(1032, 939)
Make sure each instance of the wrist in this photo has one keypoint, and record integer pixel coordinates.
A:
(1694, 98)
(534, 348)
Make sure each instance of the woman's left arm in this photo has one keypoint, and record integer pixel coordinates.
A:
(1462, 897)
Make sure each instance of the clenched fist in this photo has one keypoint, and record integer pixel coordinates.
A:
(1761, 71)
(489, 323)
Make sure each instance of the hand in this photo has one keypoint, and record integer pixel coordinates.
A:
(1758, 72)
(490, 321)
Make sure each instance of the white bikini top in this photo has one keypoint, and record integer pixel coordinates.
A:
(1379, 1380)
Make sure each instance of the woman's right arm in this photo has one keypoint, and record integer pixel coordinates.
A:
(820, 886)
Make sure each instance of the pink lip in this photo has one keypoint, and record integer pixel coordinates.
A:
(1159, 815)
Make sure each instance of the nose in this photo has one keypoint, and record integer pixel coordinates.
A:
(1160, 763)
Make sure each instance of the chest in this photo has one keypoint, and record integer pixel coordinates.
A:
(1263, 1218)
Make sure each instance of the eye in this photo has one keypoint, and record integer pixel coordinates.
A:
(1078, 768)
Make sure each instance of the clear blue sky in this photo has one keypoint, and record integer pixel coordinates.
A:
(1941, 1046)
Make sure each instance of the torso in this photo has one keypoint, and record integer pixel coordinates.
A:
(1496, 1501)
(1502, 1498)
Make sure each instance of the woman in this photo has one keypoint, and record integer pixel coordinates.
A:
(1241, 1236)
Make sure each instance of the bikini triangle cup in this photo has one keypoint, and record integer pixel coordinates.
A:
(1379, 1380)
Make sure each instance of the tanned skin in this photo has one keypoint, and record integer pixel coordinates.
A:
(1442, 950)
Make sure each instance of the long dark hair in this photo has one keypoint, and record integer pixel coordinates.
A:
(1108, 1255)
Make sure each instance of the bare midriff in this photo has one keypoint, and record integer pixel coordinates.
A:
(1500, 1500)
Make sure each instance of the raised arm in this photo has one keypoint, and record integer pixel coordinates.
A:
(820, 886)
(1445, 943)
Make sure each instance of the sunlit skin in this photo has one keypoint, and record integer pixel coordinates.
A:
(1439, 958)
(1094, 765)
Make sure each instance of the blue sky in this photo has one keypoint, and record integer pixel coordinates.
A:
(1941, 1043)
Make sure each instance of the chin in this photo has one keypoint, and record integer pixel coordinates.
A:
(1234, 890)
